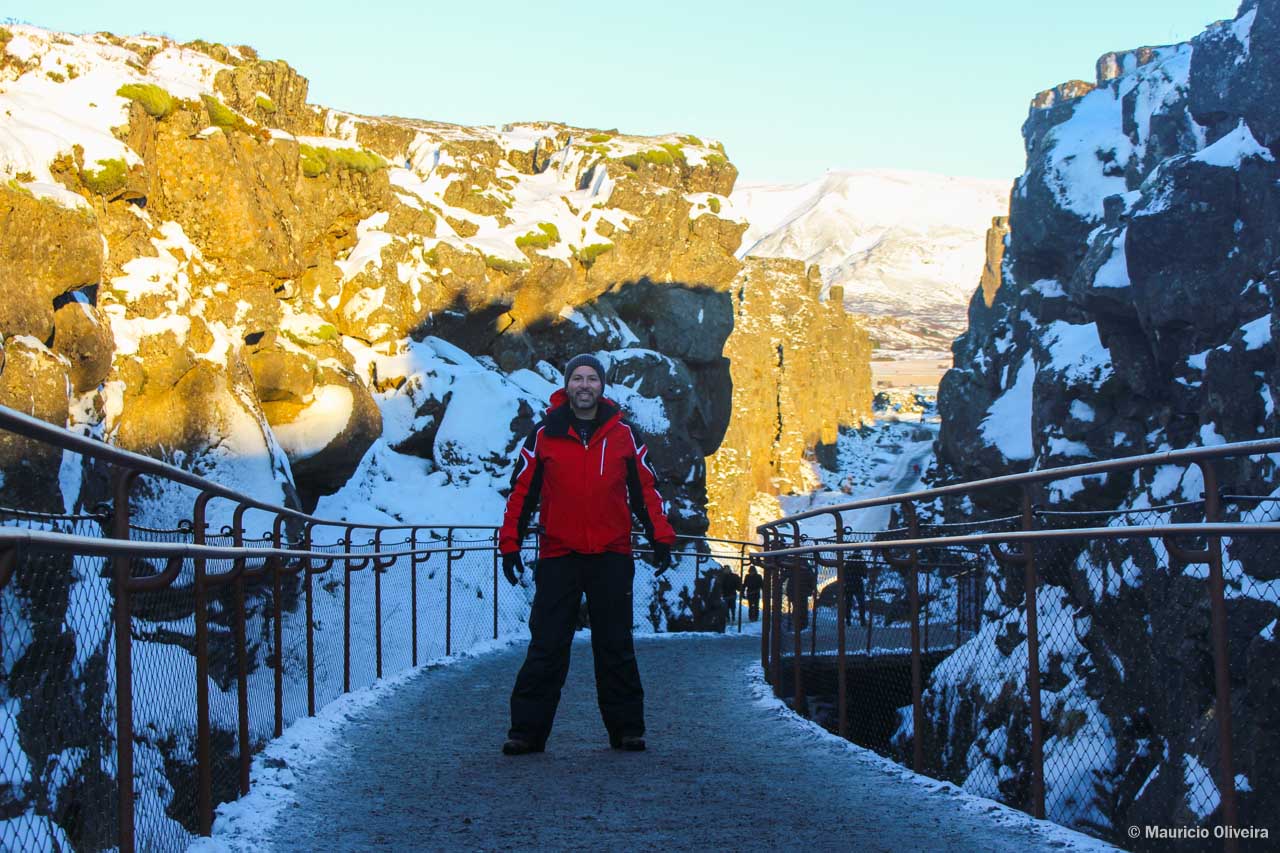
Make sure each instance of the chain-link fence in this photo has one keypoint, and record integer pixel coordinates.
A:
(1101, 668)
(215, 635)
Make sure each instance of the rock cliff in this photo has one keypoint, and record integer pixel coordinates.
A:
(1134, 311)
(361, 315)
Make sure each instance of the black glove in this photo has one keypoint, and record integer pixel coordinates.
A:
(512, 565)
(661, 558)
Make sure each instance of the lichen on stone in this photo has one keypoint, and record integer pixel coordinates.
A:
(317, 160)
(156, 101)
(108, 178)
(546, 236)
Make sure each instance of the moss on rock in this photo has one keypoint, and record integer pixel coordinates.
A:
(110, 177)
(156, 101)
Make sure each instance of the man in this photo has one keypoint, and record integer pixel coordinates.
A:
(753, 584)
(586, 472)
(730, 584)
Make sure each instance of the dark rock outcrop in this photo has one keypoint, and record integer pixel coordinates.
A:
(1135, 311)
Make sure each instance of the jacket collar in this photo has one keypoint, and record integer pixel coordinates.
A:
(559, 415)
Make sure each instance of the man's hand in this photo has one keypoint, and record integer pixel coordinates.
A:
(512, 566)
(661, 558)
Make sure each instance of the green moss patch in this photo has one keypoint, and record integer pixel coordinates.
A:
(714, 204)
(587, 254)
(19, 188)
(265, 104)
(317, 160)
(690, 139)
(108, 178)
(310, 336)
(654, 157)
(599, 137)
(221, 115)
(497, 264)
(546, 235)
(716, 159)
(156, 101)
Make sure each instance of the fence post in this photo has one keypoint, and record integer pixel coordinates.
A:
(204, 768)
(346, 612)
(122, 483)
(495, 584)
(775, 637)
(378, 568)
(1033, 660)
(448, 594)
(842, 615)
(277, 631)
(742, 581)
(1221, 661)
(917, 679)
(307, 575)
(242, 664)
(766, 593)
(799, 605)
(413, 594)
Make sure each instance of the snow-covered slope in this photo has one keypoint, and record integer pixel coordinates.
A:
(907, 247)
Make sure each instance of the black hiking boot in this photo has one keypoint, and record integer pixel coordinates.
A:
(515, 746)
(628, 743)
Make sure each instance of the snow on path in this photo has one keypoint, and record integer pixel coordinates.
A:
(728, 767)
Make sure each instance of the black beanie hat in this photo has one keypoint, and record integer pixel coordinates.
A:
(578, 361)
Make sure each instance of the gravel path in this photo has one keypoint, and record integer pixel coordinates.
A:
(423, 771)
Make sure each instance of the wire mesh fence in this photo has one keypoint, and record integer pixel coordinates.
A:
(1121, 720)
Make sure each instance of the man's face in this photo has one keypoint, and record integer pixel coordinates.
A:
(584, 388)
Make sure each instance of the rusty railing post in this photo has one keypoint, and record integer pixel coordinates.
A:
(766, 594)
(495, 584)
(204, 767)
(346, 612)
(277, 631)
(742, 582)
(842, 615)
(308, 573)
(1033, 660)
(448, 594)
(242, 664)
(122, 484)
(378, 568)
(413, 594)
(799, 605)
(1221, 660)
(917, 680)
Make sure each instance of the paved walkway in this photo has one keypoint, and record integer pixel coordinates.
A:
(423, 771)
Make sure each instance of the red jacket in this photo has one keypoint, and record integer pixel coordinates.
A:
(585, 492)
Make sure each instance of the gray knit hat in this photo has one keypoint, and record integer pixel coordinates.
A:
(590, 361)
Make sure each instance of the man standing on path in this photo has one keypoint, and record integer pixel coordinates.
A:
(586, 472)
(753, 584)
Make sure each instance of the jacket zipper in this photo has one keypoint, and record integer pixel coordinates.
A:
(603, 447)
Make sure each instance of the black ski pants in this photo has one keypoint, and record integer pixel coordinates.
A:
(561, 581)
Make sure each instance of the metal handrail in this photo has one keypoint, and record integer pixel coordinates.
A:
(1135, 532)
(1259, 447)
(66, 543)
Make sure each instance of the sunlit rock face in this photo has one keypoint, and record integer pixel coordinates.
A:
(1135, 311)
(203, 265)
(800, 370)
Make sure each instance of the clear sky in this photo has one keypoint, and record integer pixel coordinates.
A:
(791, 88)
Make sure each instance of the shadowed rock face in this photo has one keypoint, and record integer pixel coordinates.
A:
(1135, 311)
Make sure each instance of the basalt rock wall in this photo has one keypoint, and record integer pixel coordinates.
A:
(1135, 312)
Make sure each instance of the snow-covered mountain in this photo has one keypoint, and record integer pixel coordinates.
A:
(907, 247)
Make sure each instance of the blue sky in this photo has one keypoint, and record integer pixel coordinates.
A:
(792, 89)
